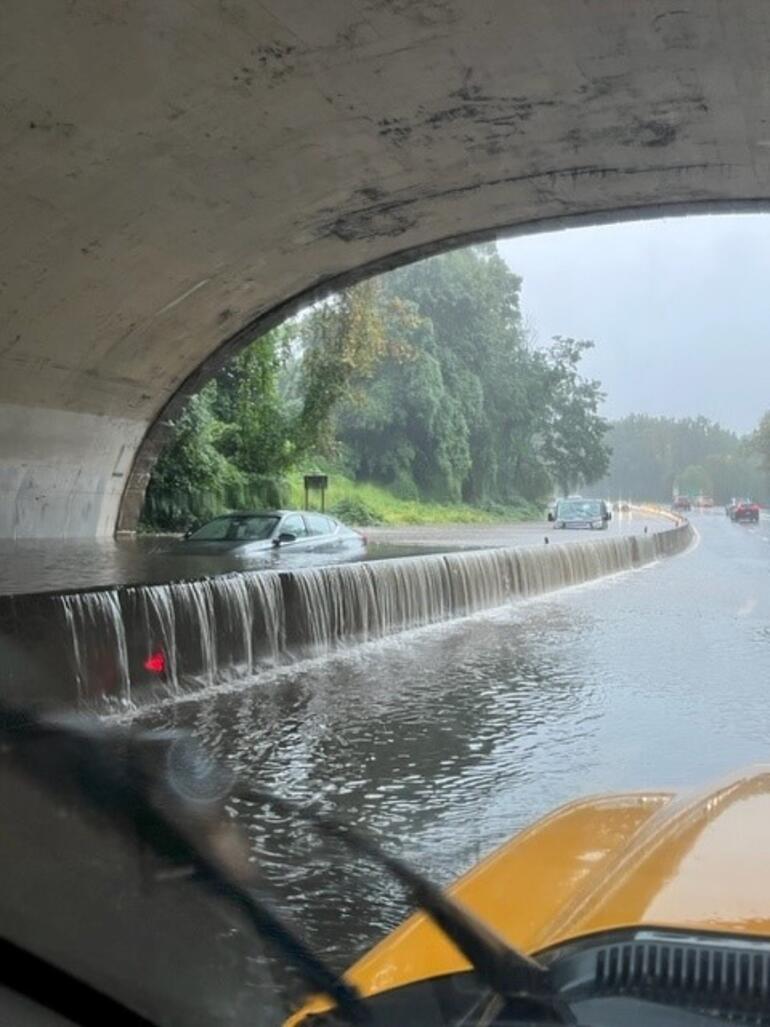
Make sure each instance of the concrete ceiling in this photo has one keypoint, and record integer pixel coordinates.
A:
(177, 174)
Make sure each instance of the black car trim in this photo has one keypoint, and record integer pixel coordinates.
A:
(61, 992)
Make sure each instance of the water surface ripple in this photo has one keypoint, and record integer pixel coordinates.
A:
(445, 741)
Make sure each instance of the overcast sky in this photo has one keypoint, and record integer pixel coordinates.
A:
(679, 310)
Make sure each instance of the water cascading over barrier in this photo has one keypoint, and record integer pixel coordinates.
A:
(122, 645)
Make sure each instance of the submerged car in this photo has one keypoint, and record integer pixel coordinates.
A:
(249, 533)
(581, 513)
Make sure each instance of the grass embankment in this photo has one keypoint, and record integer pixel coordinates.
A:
(363, 503)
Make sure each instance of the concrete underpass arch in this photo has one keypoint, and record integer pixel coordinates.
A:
(179, 177)
(158, 432)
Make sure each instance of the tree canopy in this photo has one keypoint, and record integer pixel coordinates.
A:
(467, 408)
(424, 380)
(652, 456)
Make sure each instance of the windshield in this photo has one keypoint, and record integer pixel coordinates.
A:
(580, 508)
(384, 408)
(236, 529)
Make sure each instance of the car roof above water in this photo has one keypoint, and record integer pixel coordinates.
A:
(272, 513)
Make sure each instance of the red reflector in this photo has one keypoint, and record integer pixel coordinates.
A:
(156, 663)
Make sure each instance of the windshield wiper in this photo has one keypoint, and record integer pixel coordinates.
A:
(520, 981)
(108, 768)
(113, 771)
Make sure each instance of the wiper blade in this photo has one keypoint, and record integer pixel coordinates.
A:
(514, 976)
(109, 769)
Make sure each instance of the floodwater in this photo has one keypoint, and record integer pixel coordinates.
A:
(59, 565)
(444, 741)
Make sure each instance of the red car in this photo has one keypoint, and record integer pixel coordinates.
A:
(745, 511)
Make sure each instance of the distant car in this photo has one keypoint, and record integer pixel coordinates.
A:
(581, 513)
(249, 533)
(681, 503)
(745, 511)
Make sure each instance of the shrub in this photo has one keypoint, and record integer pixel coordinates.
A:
(355, 511)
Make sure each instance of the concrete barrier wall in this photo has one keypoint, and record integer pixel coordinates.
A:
(125, 645)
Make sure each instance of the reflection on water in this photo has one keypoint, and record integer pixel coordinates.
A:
(56, 565)
(445, 741)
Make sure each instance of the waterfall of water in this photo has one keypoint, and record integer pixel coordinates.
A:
(268, 617)
(165, 636)
(160, 618)
(99, 649)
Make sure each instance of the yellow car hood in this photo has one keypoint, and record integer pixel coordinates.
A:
(661, 859)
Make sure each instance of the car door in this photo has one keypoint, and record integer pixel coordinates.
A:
(294, 524)
(321, 531)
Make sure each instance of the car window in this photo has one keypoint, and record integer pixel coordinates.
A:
(580, 508)
(213, 531)
(254, 528)
(236, 529)
(294, 525)
(318, 525)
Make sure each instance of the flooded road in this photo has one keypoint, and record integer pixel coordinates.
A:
(446, 740)
(63, 565)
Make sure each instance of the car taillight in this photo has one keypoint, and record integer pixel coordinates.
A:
(156, 662)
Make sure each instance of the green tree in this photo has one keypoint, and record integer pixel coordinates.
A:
(760, 442)
(695, 480)
(256, 434)
(192, 478)
(469, 409)
(343, 339)
(404, 428)
(424, 379)
(650, 454)
(573, 434)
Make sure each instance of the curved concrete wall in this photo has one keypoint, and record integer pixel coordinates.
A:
(177, 176)
(230, 626)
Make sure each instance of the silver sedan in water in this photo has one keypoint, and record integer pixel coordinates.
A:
(271, 530)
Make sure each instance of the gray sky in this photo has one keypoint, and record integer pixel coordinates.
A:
(679, 310)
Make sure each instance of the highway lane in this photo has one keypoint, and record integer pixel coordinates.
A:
(520, 533)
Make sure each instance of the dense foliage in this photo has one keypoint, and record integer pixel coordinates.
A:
(652, 456)
(423, 380)
(759, 443)
(466, 409)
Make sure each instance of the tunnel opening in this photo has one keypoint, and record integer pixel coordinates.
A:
(298, 341)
